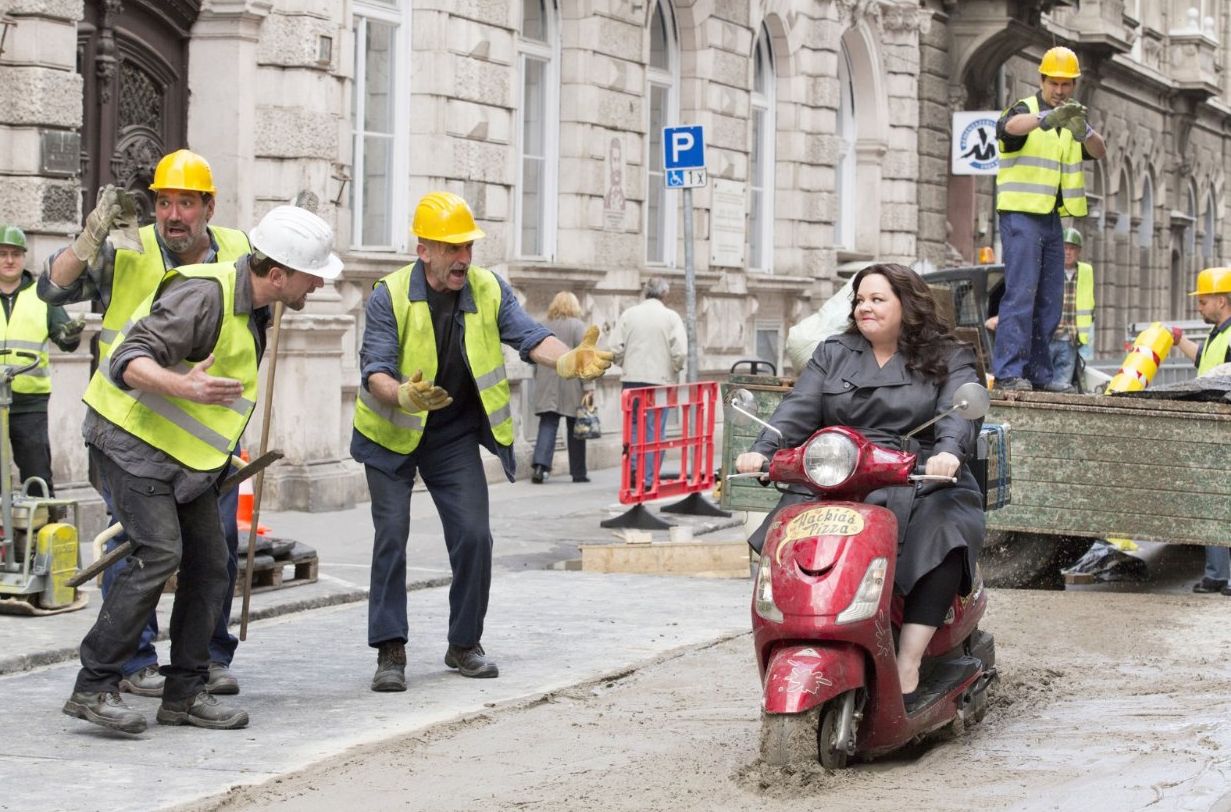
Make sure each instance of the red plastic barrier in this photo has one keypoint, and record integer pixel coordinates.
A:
(696, 404)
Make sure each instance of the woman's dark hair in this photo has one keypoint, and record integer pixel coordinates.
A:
(926, 340)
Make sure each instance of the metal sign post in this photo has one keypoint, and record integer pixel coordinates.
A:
(684, 165)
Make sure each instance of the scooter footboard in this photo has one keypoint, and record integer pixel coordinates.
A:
(798, 678)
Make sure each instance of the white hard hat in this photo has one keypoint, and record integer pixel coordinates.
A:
(297, 239)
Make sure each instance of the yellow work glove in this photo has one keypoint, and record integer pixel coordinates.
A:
(97, 224)
(418, 395)
(585, 361)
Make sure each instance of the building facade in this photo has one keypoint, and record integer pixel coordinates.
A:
(827, 129)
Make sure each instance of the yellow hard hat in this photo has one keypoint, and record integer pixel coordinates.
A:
(444, 217)
(1060, 63)
(1213, 281)
(184, 170)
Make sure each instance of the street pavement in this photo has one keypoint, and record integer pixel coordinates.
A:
(305, 667)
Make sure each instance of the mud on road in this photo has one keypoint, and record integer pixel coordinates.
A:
(1106, 702)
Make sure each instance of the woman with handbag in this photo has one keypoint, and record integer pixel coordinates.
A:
(555, 397)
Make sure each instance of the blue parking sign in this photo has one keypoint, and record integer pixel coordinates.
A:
(684, 147)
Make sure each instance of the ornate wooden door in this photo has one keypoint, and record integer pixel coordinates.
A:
(133, 58)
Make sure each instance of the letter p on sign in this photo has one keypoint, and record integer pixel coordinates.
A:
(684, 147)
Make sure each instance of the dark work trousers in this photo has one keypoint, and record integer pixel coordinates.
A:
(1033, 250)
(31, 448)
(453, 474)
(545, 445)
(222, 644)
(167, 536)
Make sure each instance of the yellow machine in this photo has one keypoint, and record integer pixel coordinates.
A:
(37, 556)
(1143, 360)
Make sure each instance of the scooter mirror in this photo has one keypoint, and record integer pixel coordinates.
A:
(744, 404)
(971, 401)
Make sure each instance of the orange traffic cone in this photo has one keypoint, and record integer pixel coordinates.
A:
(243, 510)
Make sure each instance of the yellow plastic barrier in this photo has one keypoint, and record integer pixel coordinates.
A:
(1143, 360)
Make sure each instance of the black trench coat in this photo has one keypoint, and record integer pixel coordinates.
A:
(843, 386)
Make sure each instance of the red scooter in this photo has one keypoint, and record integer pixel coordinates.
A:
(825, 617)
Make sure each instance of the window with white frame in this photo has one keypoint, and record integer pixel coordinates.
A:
(538, 130)
(761, 160)
(661, 80)
(844, 226)
(380, 126)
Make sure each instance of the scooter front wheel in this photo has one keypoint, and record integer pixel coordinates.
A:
(790, 738)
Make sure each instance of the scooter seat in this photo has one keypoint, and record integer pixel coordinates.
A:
(943, 678)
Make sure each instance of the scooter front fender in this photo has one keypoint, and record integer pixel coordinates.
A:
(799, 678)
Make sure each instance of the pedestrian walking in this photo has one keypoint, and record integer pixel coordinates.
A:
(1043, 140)
(92, 269)
(434, 390)
(163, 416)
(556, 397)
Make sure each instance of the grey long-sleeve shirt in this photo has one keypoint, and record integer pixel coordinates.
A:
(183, 325)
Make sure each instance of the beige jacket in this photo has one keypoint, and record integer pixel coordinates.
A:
(649, 342)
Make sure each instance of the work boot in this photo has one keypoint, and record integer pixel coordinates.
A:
(145, 682)
(1062, 388)
(1014, 385)
(1207, 585)
(390, 667)
(106, 709)
(202, 710)
(221, 680)
(538, 474)
(470, 661)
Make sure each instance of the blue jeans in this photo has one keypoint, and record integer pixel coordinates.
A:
(545, 445)
(1033, 296)
(222, 643)
(453, 474)
(1063, 360)
(1218, 563)
(656, 430)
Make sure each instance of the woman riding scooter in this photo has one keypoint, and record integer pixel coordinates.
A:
(895, 367)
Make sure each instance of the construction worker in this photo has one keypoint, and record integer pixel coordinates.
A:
(1214, 304)
(29, 323)
(162, 438)
(1072, 334)
(434, 389)
(118, 280)
(1043, 140)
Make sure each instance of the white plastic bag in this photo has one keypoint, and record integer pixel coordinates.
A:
(831, 319)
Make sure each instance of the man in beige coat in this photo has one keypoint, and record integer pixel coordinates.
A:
(649, 342)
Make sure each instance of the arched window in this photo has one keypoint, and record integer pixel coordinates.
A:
(1145, 231)
(1207, 234)
(538, 130)
(761, 157)
(1190, 232)
(1124, 209)
(380, 126)
(662, 76)
(848, 134)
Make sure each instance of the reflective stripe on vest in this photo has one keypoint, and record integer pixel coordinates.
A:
(200, 436)
(1214, 352)
(136, 276)
(400, 431)
(1048, 162)
(26, 329)
(1085, 301)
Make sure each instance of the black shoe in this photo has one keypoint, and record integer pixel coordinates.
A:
(106, 709)
(1014, 385)
(221, 680)
(390, 667)
(471, 662)
(538, 475)
(581, 479)
(1206, 585)
(202, 710)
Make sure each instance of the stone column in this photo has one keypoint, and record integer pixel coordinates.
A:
(70, 373)
(317, 473)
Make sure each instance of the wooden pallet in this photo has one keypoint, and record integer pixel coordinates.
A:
(271, 571)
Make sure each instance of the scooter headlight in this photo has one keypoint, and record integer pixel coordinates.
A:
(763, 594)
(830, 459)
(868, 595)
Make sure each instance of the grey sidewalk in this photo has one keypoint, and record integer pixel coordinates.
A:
(534, 526)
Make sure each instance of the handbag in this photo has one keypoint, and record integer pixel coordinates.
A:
(587, 426)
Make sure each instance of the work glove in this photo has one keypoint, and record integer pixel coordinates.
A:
(418, 395)
(1059, 116)
(69, 331)
(1176, 334)
(1079, 127)
(97, 224)
(586, 360)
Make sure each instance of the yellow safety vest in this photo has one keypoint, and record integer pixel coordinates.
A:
(1085, 301)
(1050, 160)
(401, 431)
(26, 329)
(1214, 352)
(136, 276)
(200, 436)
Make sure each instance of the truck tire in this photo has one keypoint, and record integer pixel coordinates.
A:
(1012, 560)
